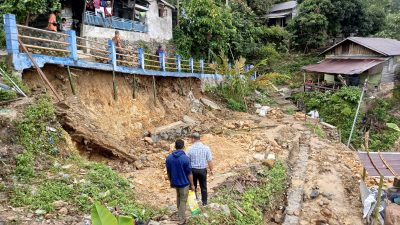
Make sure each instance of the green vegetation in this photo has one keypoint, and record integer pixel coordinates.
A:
(316, 129)
(319, 20)
(45, 175)
(10, 94)
(7, 95)
(247, 207)
(381, 136)
(2, 35)
(391, 28)
(23, 9)
(337, 108)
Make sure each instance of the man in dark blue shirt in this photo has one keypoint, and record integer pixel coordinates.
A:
(180, 176)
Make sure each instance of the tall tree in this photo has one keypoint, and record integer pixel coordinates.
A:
(25, 8)
(392, 27)
(204, 26)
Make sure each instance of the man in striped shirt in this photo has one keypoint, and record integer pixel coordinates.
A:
(200, 159)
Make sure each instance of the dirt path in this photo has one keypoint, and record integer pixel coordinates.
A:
(324, 164)
(329, 172)
(230, 152)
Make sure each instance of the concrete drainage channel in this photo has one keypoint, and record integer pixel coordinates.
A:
(298, 161)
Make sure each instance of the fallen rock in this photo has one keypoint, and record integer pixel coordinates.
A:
(63, 211)
(278, 217)
(148, 140)
(152, 222)
(59, 204)
(264, 110)
(326, 212)
(210, 104)
(138, 165)
(259, 157)
(40, 212)
(257, 106)
(225, 210)
(189, 120)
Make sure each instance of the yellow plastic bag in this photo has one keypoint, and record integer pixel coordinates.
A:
(193, 205)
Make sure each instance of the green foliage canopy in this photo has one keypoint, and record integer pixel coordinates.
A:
(23, 8)
(204, 26)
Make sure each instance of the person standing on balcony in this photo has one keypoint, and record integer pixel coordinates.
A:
(158, 54)
(108, 10)
(118, 46)
(200, 158)
(52, 22)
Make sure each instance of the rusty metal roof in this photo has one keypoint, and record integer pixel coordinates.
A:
(283, 6)
(384, 46)
(386, 164)
(343, 66)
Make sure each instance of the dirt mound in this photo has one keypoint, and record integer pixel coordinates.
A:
(96, 121)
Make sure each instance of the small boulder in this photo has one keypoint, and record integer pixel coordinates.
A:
(210, 104)
(152, 222)
(259, 157)
(225, 210)
(138, 165)
(40, 212)
(59, 204)
(148, 140)
(63, 211)
(278, 217)
(326, 212)
(189, 120)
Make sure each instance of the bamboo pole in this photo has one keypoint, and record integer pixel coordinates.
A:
(134, 86)
(70, 81)
(154, 91)
(39, 70)
(114, 86)
(19, 90)
(378, 204)
(358, 109)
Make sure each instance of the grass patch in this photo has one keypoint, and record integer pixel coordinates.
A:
(18, 81)
(290, 111)
(316, 129)
(248, 207)
(6, 95)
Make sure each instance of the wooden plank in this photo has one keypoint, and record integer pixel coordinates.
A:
(38, 69)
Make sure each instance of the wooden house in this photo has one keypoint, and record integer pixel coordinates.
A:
(354, 59)
(280, 14)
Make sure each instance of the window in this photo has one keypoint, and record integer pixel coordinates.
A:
(162, 10)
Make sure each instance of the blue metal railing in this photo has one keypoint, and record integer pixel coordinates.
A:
(114, 22)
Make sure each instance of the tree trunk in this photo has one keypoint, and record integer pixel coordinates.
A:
(27, 19)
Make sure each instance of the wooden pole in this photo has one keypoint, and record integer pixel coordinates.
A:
(177, 12)
(358, 109)
(154, 91)
(134, 86)
(40, 72)
(70, 81)
(378, 203)
(114, 86)
(364, 174)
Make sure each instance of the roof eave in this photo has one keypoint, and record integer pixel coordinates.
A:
(351, 39)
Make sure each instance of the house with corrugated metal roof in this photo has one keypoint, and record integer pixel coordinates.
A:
(280, 14)
(354, 59)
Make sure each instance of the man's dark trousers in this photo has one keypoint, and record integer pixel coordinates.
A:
(201, 176)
